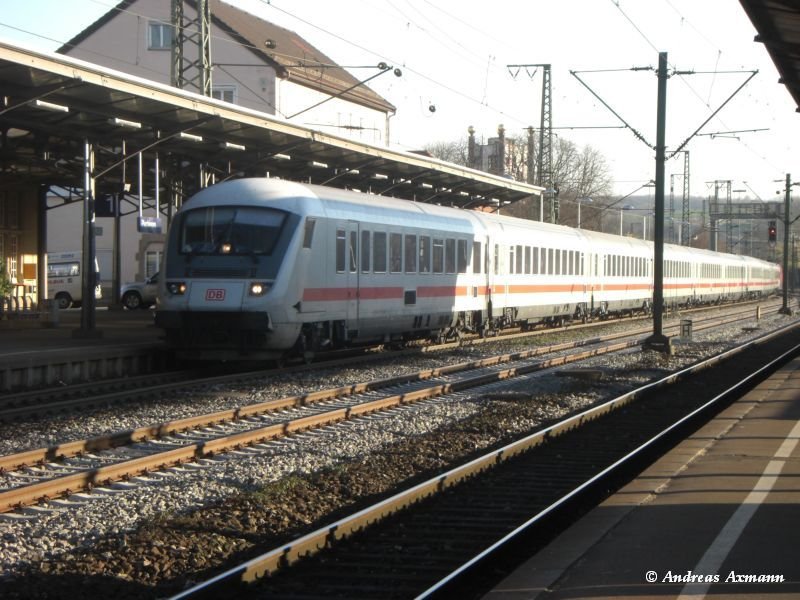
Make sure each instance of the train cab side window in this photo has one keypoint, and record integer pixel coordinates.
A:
(365, 248)
(450, 255)
(462, 258)
(496, 259)
(511, 259)
(424, 254)
(379, 252)
(308, 234)
(341, 247)
(395, 252)
(353, 251)
(476, 257)
(411, 253)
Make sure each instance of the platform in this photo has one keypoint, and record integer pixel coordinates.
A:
(125, 342)
(718, 516)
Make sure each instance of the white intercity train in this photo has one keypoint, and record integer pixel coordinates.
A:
(262, 268)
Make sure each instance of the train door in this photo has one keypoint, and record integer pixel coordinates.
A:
(353, 281)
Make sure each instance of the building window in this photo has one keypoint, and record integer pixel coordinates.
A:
(152, 260)
(13, 250)
(226, 93)
(159, 36)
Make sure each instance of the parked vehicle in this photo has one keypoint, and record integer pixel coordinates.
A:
(64, 281)
(140, 294)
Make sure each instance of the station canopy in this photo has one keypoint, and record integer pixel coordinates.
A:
(778, 26)
(54, 105)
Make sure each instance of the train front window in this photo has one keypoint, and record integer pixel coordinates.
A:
(231, 230)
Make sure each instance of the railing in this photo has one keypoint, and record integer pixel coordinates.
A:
(17, 312)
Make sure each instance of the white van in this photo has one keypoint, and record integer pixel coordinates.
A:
(64, 281)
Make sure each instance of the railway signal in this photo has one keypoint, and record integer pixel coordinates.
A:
(772, 232)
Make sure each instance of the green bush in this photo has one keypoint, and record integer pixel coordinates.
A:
(5, 283)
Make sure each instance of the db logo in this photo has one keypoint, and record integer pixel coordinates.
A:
(215, 295)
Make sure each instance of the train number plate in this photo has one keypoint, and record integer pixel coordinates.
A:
(215, 295)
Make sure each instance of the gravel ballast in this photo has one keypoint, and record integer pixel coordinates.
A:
(151, 536)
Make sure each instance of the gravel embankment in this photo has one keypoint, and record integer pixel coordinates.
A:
(149, 538)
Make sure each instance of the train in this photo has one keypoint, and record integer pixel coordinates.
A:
(262, 268)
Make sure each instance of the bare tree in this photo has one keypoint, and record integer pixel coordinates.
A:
(454, 152)
(578, 173)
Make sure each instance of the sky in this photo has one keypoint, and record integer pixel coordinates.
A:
(454, 55)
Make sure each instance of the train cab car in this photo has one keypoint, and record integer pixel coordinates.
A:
(258, 267)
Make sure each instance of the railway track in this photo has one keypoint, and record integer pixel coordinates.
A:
(456, 533)
(103, 393)
(37, 475)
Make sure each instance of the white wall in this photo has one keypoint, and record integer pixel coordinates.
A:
(122, 44)
(65, 234)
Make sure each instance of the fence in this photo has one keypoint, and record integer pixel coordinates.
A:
(17, 312)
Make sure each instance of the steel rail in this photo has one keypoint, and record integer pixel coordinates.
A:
(23, 404)
(735, 389)
(270, 562)
(26, 458)
(15, 498)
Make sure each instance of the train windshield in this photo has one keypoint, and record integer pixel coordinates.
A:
(230, 230)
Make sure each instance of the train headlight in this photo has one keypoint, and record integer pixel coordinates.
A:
(226, 248)
(258, 289)
(176, 288)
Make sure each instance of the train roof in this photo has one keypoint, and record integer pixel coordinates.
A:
(322, 200)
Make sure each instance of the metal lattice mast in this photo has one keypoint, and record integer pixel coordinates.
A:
(545, 162)
(191, 48)
(729, 226)
(686, 228)
(672, 207)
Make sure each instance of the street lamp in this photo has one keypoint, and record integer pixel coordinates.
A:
(622, 210)
(581, 201)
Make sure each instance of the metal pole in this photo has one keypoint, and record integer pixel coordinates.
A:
(658, 341)
(786, 224)
(88, 275)
(116, 278)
